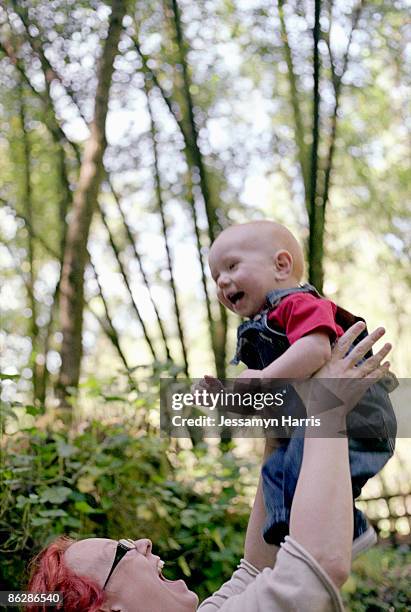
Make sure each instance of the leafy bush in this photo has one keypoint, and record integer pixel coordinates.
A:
(381, 580)
(112, 481)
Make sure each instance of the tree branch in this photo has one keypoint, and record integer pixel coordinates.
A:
(295, 103)
(337, 82)
(108, 326)
(123, 272)
(160, 205)
(138, 258)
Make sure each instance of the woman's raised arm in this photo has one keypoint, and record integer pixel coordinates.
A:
(256, 549)
(324, 484)
(321, 513)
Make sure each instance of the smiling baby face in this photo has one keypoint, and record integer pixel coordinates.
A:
(250, 260)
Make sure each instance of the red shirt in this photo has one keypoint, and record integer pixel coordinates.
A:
(300, 314)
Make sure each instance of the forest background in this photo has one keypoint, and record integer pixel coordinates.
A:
(131, 133)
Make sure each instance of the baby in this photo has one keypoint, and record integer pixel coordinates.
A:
(257, 268)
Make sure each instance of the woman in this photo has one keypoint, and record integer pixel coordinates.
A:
(99, 574)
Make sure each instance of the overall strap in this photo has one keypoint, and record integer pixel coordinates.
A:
(275, 296)
(259, 321)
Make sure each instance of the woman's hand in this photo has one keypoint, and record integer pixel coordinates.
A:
(339, 385)
(346, 365)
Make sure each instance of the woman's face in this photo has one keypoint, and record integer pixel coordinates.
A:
(137, 583)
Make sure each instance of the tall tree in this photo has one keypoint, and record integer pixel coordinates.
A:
(197, 166)
(132, 242)
(84, 204)
(316, 166)
(165, 231)
(27, 207)
(316, 236)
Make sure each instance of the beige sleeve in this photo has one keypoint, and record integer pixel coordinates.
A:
(297, 583)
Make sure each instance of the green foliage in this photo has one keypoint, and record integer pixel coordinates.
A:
(381, 580)
(113, 481)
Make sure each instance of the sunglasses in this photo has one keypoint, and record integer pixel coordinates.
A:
(123, 547)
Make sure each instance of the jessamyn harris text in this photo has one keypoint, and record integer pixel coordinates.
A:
(269, 422)
(224, 421)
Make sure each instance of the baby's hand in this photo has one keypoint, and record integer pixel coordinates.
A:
(210, 384)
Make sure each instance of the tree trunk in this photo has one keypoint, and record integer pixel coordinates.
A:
(299, 127)
(84, 204)
(34, 332)
(123, 273)
(108, 328)
(164, 229)
(195, 161)
(308, 156)
(132, 242)
(315, 212)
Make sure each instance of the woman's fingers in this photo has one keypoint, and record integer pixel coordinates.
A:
(347, 339)
(374, 362)
(379, 372)
(362, 348)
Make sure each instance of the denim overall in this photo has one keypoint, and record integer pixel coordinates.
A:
(258, 345)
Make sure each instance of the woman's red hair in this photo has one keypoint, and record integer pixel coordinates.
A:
(49, 572)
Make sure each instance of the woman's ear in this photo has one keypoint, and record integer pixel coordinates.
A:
(283, 264)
